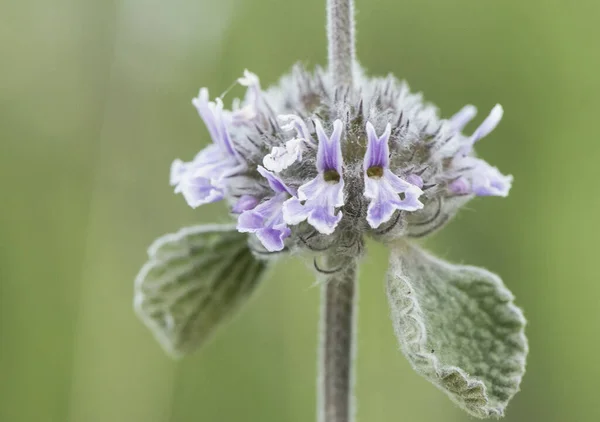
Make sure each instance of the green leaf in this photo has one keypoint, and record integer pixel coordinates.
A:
(193, 281)
(459, 328)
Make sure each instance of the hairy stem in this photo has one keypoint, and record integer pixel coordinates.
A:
(340, 35)
(337, 345)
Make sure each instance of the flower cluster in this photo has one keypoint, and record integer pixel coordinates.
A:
(302, 165)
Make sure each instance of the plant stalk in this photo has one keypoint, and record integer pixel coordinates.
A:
(341, 44)
(338, 313)
(337, 349)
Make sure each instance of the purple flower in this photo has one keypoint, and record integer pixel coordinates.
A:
(202, 180)
(318, 199)
(480, 178)
(386, 191)
(484, 129)
(463, 117)
(475, 175)
(244, 203)
(291, 150)
(266, 219)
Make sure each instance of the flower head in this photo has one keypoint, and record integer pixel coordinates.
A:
(325, 166)
(477, 176)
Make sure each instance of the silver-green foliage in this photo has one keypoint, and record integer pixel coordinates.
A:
(193, 281)
(459, 328)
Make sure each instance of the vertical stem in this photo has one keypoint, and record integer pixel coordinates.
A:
(335, 381)
(336, 357)
(340, 35)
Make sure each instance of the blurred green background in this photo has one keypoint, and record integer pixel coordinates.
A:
(94, 105)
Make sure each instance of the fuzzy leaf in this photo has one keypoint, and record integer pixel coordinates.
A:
(459, 328)
(194, 280)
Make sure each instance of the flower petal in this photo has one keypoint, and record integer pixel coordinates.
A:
(480, 178)
(275, 182)
(385, 199)
(463, 117)
(249, 107)
(178, 169)
(201, 102)
(321, 200)
(484, 129)
(415, 179)
(294, 212)
(281, 158)
(201, 181)
(249, 79)
(378, 150)
(200, 191)
(489, 124)
(311, 189)
(224, 139)
(400, 185)
(487, 180)
(323, 220)
(266, 221)
(329, 152)
(213, 116)
(244, 203)
(292, 122)
(460, 186)
(273, 238)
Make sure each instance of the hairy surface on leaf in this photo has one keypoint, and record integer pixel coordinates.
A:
(458, 327)
(193, 281)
